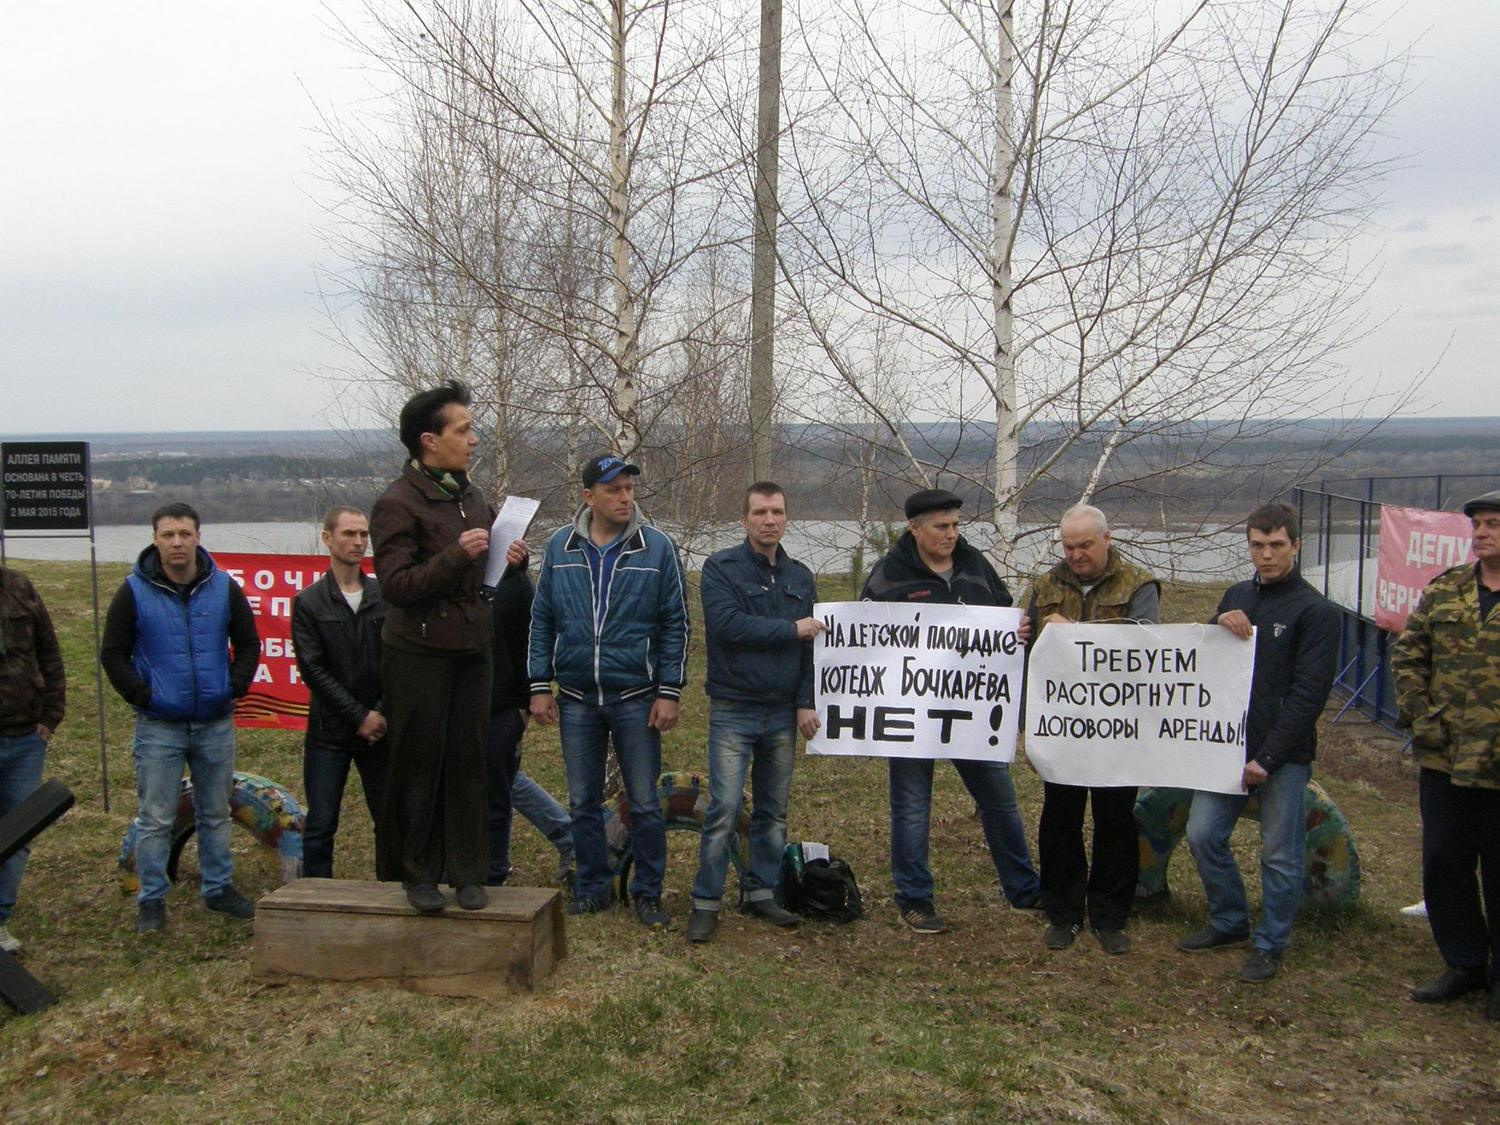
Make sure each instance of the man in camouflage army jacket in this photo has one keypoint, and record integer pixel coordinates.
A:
(1447, 668)
(33, 692)
(1093, 583)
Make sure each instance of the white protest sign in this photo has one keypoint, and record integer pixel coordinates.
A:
(1139, 705)
(896, 680)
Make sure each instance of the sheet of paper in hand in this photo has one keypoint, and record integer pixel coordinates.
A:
(1139, 705)
(895, 680)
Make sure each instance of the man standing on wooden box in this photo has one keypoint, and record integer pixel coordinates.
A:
(757, 618)
(609, 623)
(1447, 667)
(1296, 631)
(180, 646)
(336, 625)
(1094, 584)
(432, 534)
(932, 563)
(33, 691)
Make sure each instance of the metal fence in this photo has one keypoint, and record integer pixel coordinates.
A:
(1340, 543)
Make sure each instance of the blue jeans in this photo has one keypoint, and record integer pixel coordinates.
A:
(162, 748)
(586, 728)
(762, 739)
(1283, 836)
(21, 759)
(990, 785)
(325, 772)
(543, 810)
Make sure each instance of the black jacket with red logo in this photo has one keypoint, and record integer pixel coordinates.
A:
(902, 576)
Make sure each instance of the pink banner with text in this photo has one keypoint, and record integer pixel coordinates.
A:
(1416, 545)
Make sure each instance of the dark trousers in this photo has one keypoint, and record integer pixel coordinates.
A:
(437, 707)
(502, 758)
(1069, 882)
(1461, 860)
(324, 774)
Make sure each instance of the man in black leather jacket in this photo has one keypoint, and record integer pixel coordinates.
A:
(336, 626)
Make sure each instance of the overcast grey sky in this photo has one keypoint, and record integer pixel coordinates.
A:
(160, 209)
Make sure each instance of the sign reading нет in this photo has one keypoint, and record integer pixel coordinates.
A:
(895, 680)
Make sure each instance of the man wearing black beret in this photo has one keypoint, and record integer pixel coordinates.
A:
(932, 563)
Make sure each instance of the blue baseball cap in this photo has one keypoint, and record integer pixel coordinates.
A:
(605, 468)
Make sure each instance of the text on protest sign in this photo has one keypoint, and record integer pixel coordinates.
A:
(1139, 705)
(277, 697)
(1415, 547)
(895, 680)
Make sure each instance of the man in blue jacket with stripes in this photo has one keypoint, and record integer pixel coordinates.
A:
(609, 623)
(757, 617)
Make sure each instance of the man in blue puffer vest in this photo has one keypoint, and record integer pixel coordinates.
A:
(609, 623)
(167, 650)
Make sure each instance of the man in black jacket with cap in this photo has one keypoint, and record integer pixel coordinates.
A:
(931, 563)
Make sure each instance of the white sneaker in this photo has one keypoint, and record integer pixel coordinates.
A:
(1415, 910)
(8, 943)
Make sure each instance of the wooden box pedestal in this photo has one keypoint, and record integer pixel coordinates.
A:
(350, 930)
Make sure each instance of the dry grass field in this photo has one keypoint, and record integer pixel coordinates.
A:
(867, 1022)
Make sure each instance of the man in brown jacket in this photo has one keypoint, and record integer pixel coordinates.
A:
(432, 533)
(33, 690)
(1093, 583)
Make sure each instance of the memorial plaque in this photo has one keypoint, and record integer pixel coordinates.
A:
(46, 485)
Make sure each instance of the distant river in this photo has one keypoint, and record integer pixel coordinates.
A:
(824, 545)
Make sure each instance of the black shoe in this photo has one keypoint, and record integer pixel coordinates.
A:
(650, 913)
(702, 924)
(1032, 907)
(425, 897)
(591, 905)
(1113, 941)
(1453, 984)
(151, 916)
(1060, 937)
(767, 911)
(1260, 967)
(471, 896)
(230, 901)
(1210, 938)
(921, 917)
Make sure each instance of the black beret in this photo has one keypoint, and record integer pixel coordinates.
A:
(931, 500)
(1489, 502)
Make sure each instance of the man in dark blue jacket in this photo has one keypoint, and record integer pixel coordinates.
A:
(166, 650)
(757, 617)
(609, 623)
(1296, 633)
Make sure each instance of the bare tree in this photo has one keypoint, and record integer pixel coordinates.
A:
(1104, 225)
(561, 166)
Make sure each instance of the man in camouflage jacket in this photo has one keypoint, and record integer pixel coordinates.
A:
(1447, 668)
(33, 690)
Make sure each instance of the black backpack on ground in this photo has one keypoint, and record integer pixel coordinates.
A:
(825, 890)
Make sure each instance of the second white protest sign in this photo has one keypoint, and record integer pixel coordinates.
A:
(896, 680)
(1139, 705)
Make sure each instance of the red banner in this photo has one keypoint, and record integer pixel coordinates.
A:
(1415, 546)
(277, 697)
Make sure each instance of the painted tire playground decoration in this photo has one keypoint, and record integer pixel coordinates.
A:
(1333, 874)
(266, 810)
(684, 804)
